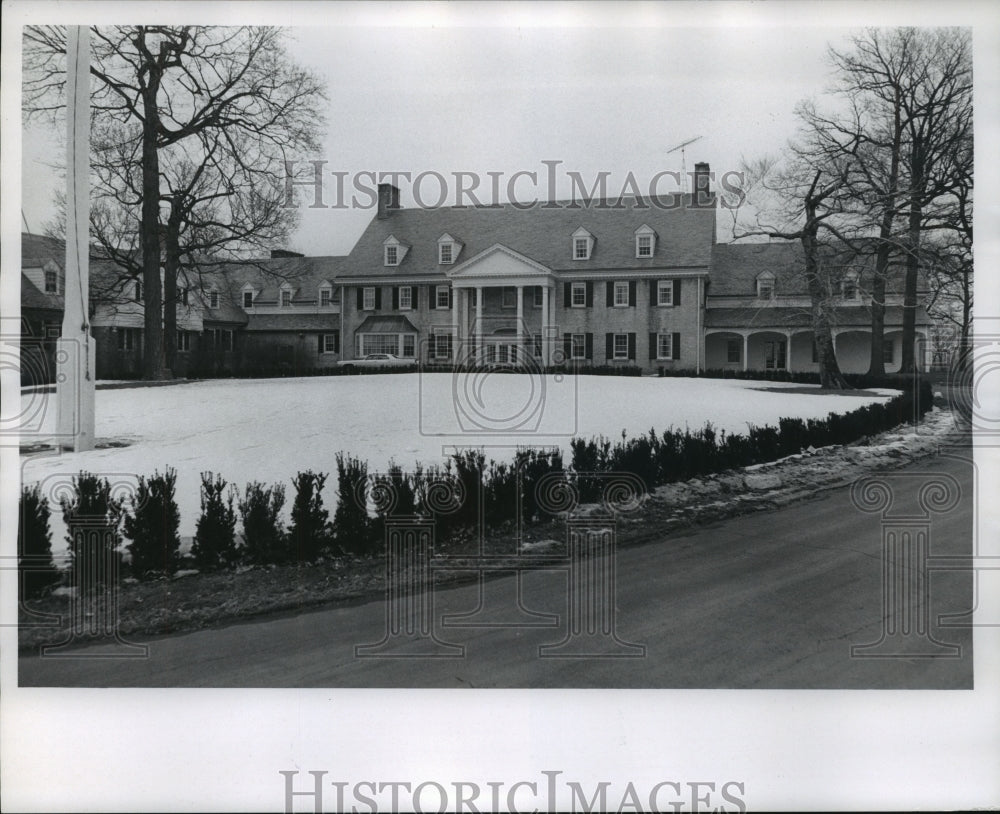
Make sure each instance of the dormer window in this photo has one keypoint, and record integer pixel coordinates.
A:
(137, 292)
(247, 297)
(325, 296)
(285, 298)
(448, 249)
(645, 241)
(849, 287)
(213, 299)
(583, 244)
(393, 251)
(51, 282)
(182, 295)
(765, 286)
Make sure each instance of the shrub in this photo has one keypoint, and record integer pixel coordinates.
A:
(92, 500)
(309, 533)
(352, 527)
(215, 534)
(470, 467)
(264, 539)
(34, 544)
(152, 526)
(533, 465)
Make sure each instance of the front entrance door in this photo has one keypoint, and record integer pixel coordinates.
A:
(775, 354)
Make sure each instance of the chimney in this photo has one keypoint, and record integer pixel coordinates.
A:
(281, 254)
(388, 200)
(702, 193)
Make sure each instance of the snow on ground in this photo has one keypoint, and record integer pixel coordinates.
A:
(270, 429)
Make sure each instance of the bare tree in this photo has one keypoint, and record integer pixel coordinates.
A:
(802, 203)
(168, 92)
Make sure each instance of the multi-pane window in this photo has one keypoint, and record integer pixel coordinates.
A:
(368, 303)
(888, 351)
(849, 289)
(409, 345)
(441, 293)
(51, 282)
(621, 293)
(732, 350)
(325, 296)
(182, 295)
(183, 340)
(213, 299)
(128, 339)
(536, 345)
(392, 255)
(509, 297)
(578, 347)
(537, 296)
(442, 346)
(581, 248)
(446, 253)
(665, 292)
(378, 343)
(405, 297)
(644, 246)
(286, 298)
(248, 299)
(621, 346)
(224, 339)
(765, 289)
(578, 295)
(664, 346)
(329, 343)
(137, 293)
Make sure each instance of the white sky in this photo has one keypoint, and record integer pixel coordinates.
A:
(504, 99)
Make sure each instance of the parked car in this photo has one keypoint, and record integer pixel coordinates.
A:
(376, 360)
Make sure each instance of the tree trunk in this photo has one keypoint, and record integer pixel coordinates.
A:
(171, 264)
(908, 361)
(829, 371)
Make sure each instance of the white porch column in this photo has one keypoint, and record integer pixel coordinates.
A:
(479, 322)
(546, 345)
(454, 323)
(788, 351)
(520, 321)
(746, 352)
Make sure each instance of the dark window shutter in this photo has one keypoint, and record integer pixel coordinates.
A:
(395, 298)
(653, 299)
(610, 295)
(451, 295)
(631, 346)
(590, 295)
(431, 297)
(361, 298)
(631, 293)
(588, 347)
(567, 295)
(609, 346)
(652, 346)
(677, 292)
(567, 346)
(378, 298)
(415, 297)
(336, 341)
(320, 343)
(675, 346)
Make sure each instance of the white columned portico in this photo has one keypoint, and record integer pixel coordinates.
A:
(546, 344)
(788, 351)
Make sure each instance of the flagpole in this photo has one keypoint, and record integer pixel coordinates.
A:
(76, 357)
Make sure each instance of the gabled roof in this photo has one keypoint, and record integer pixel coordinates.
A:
(736, 267)
(543, 234)
(785, 317)
(295, 323)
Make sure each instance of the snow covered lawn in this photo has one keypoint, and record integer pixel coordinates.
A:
(270, 429)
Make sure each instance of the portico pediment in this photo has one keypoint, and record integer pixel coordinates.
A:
(500, 265)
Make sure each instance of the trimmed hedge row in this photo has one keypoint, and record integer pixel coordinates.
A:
(464, 493)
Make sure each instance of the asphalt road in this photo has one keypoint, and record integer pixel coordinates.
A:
(775, 599)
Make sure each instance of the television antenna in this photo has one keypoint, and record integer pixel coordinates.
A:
(682, 147)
